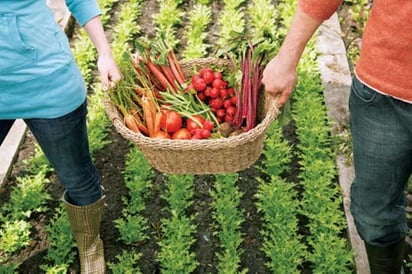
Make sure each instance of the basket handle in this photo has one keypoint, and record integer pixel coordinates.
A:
(273, 110)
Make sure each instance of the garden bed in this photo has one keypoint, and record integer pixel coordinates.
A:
(113, 161)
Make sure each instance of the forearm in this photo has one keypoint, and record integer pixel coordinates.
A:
(301, 30)
(108, 69)
(94, 29)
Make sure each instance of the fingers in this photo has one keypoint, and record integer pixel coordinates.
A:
(281, 96)
(110, 78)
(282, 100)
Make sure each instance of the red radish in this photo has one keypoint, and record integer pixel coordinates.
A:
(223, 93)
(207, 91)
(228, 119)
(234, 101)
(208, 125)
(199, 84)
(205, 133)
(231, 91)
(218, 83)
(227, 103)
(201, 96)
(217, 75)
(204, 70)
(231, 110)
(214, 92)
(208, 77)
(197, 136)
(220, 112)
(194, 77)
(216, 103)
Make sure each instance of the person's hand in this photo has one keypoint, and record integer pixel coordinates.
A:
(279, 79)
(109, 71)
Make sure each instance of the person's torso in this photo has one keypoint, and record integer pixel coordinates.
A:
(32, 44)
(385, 62)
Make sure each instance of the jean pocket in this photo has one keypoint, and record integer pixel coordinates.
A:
(362, 93)
(14, 53)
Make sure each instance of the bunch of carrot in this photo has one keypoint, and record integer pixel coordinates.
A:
(149, 74)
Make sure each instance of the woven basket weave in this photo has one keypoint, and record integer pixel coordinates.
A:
(207, 156)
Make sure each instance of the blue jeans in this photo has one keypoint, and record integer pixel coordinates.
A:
(5, 126)
(381, 129)
(64, 141)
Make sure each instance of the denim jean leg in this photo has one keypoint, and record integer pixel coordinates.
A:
(64, 141)
(5, 126)
(383, 163)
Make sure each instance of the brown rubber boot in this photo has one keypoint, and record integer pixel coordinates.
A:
(85, 224)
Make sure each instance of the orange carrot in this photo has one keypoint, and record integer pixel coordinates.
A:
(139, 90)
(148, 114)
(131, 123)
(169, 76)
(176, 63)
(158, 74)
(158, 117)
(143, 129)
(175, 70)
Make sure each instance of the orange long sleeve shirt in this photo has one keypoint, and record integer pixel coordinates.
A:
(385, 62)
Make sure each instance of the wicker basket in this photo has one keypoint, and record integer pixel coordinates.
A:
(208, 156)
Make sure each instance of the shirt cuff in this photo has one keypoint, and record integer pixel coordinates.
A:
(83, 10)
(320, 10)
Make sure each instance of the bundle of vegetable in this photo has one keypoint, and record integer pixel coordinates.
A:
(195, 117)
(154, 99)
(251, 58)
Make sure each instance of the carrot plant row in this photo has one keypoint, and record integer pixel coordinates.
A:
(278, 203)
(321, 198)
(228, 219)
(175, 255)
(231, 20)
(132, 226)
(61, 252)
(27, 197)
(167, 19)
(195, 31)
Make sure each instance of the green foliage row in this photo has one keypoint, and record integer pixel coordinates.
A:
(61, 252)
(228, 219)
(132, 225)
(195, 32)
(126, 28)
(279, 205)
(322, 197)
(167, 19)
(27, 197)
(231, 20)
(175, 255)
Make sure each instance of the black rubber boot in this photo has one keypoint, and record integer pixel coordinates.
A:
(386, 260)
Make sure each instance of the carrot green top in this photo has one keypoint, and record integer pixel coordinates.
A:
(385, 62)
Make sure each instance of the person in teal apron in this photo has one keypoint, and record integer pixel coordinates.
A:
(41, 84)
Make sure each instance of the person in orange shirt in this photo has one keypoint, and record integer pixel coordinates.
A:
(380, 106)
